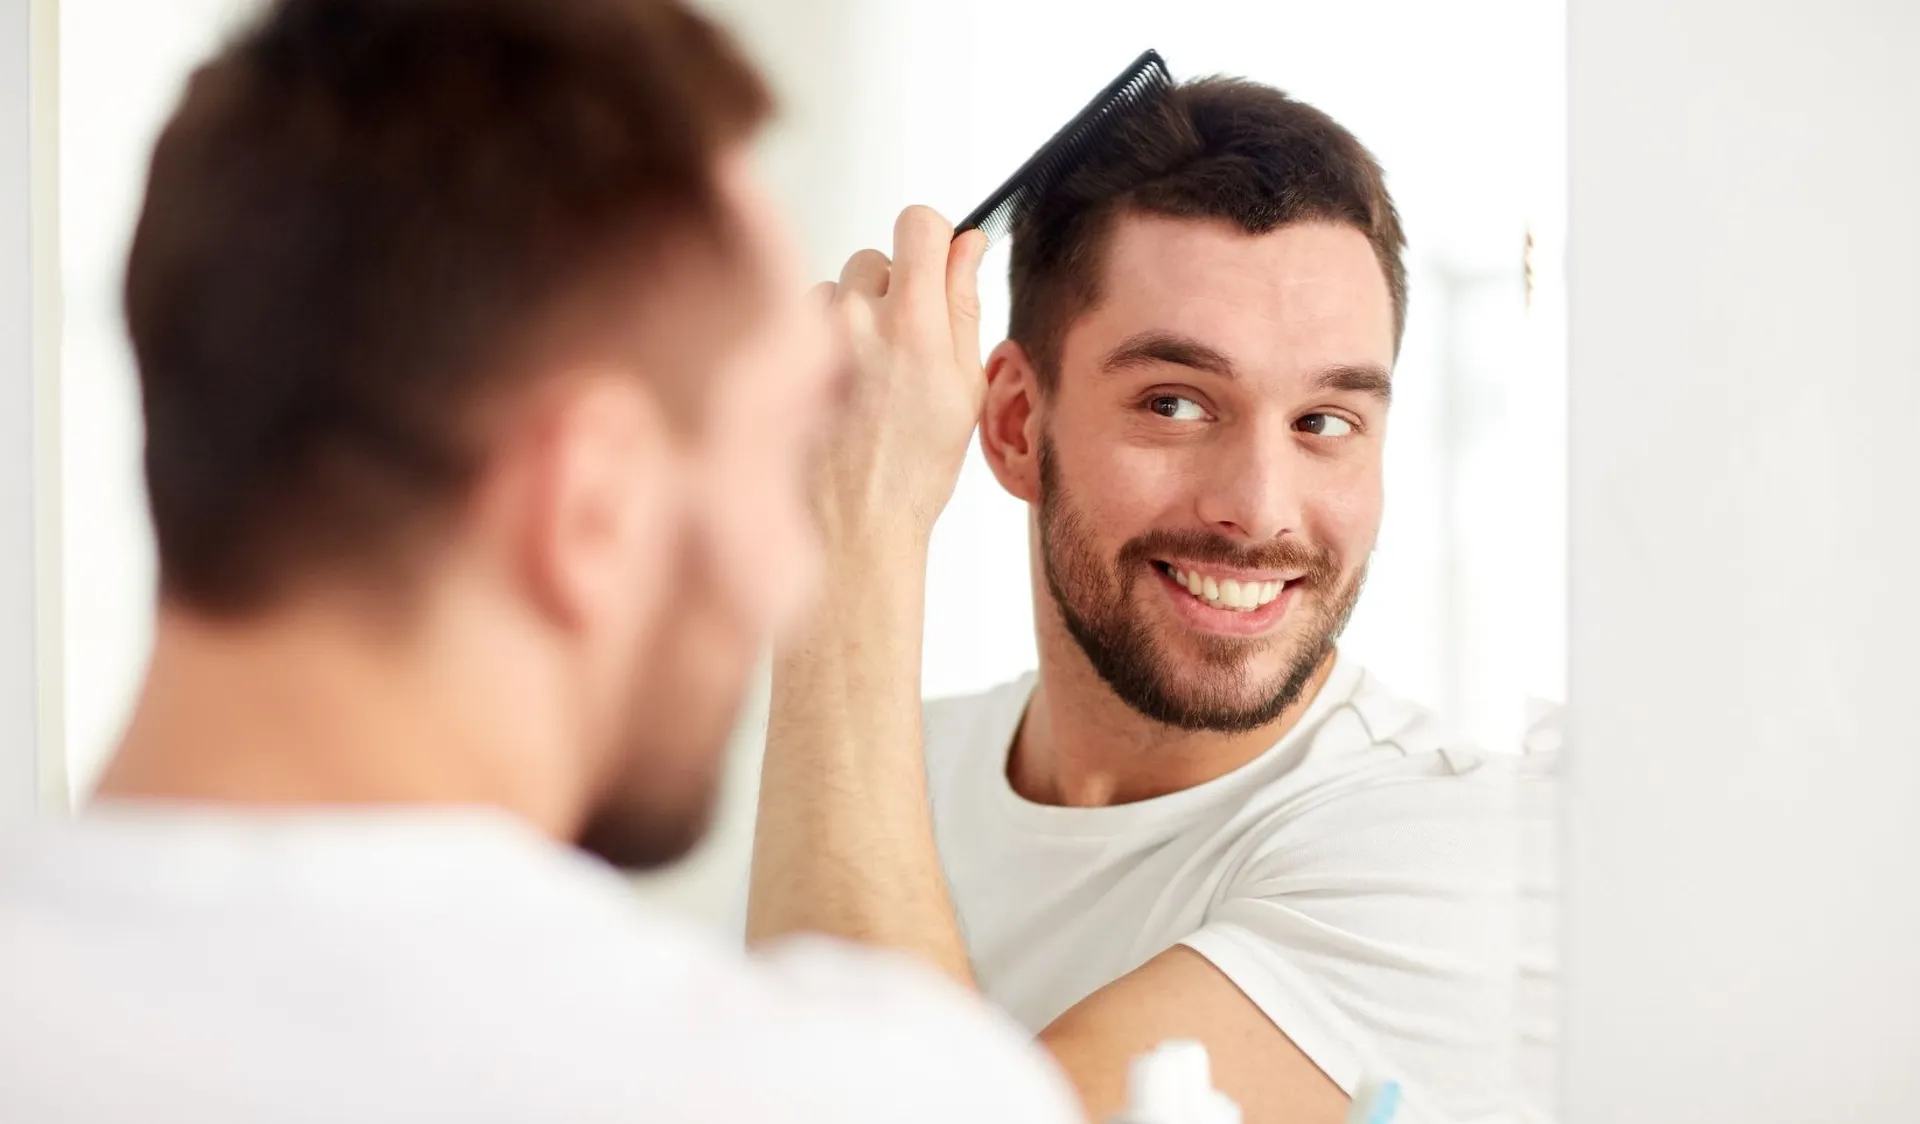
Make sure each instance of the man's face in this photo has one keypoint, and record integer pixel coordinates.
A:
(1211, 463)
(747, 559)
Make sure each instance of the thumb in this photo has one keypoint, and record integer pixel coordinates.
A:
(963, 295)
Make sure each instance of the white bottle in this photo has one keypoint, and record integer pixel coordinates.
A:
(1172, 1084)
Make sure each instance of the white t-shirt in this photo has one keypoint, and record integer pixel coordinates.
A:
(213, 967)
(1357, 881)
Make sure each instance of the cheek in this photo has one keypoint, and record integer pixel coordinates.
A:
(1147, 486)
(1343, 510)
(1121, 485)
(766, 403)
(760, 537)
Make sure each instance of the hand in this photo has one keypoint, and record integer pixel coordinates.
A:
(912, 328)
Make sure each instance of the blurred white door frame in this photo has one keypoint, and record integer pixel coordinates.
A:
(32, 776)
(31, 769)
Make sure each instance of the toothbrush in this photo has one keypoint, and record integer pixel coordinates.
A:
(1375, 1103)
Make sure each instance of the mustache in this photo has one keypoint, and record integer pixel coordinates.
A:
(1316, 563)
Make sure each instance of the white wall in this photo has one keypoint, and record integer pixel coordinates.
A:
(1743, 931)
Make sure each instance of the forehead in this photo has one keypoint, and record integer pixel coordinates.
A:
(1298, 298)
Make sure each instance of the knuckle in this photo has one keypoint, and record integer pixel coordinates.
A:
(856, 314)
(924, 222)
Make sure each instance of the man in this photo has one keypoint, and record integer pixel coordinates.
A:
(476, 383)
(1198, 819)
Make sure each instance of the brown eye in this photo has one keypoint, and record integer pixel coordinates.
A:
(1176, 408)
(1324, 425)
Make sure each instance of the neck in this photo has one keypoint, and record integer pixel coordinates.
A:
(331, 704)
(1081, 746)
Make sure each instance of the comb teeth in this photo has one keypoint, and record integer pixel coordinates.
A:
(1147, 77)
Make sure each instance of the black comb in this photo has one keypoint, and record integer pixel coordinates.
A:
(1147, 77)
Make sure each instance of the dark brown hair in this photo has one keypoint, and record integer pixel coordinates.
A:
(363, 222)
(1221, 148)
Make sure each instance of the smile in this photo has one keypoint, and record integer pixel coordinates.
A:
(1240, 595)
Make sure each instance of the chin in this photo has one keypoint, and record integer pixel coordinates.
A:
(642, 836)
(659, 798)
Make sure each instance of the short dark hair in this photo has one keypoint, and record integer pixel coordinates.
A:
(364, 220)
(1221, 148)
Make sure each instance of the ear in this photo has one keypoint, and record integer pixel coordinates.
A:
(1010, 422)
(597, 520)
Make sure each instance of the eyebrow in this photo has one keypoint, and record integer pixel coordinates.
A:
(1147, 348)
(1364, 378)
(1144, 349)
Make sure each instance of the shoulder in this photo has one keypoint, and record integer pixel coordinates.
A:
(961, 727)
(958, 717)
(875, 1036)
(1380, 777)
(809, 1029)
(1367, 717)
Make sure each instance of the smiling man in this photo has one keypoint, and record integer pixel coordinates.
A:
(1199, 818)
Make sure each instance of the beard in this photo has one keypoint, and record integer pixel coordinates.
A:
(1096, 602)
(670, 745)
(662, 804)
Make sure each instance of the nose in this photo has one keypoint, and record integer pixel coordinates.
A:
(1255, 487)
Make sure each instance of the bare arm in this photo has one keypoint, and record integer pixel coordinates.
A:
(1180, 994)
(844, 843)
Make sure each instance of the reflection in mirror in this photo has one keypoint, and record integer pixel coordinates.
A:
(1247, 661)
(1243, 607)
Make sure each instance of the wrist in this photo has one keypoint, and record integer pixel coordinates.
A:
(888, 553)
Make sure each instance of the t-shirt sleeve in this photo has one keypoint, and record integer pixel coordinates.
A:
(896, 1041)
(1375, 927)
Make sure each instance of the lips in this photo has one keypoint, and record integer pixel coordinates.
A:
(1214, 615)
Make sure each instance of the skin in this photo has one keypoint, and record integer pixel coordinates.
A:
(1271, 460)
(1272, 352)
(523, 669)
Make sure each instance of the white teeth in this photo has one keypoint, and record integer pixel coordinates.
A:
(1227, 593)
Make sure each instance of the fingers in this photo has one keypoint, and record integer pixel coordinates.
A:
(920, 241)
(931, 281)
(963, 295)
(820, 301)
(867, 273)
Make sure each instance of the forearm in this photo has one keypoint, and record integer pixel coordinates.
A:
(844, 843)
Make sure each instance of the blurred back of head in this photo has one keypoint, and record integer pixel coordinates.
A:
(426, 288)
(370, 221)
